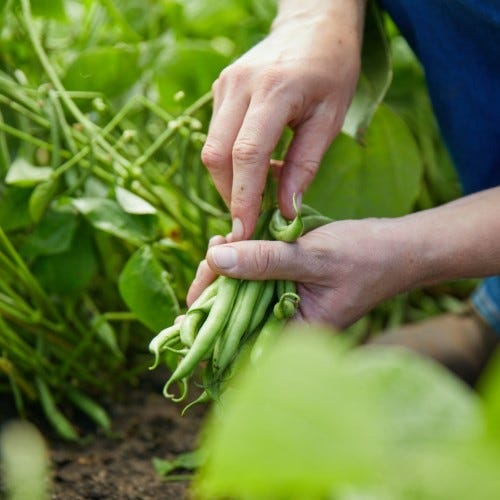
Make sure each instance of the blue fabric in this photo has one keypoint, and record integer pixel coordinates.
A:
(486, 300)
(458, 44)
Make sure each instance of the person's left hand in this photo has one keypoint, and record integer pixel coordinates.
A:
(342, 270)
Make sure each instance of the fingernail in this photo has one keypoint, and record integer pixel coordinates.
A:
(224, 257)
(237, 230)
(215, 240)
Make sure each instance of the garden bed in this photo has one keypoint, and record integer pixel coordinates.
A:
(119, 466)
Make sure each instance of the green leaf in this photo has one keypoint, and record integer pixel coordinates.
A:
(106, 333)
(310, 421)
(14, 211)
(69, 272)
(41, 197)
(49, 8)
(200, 17)
(145, 288)
(190, 460)
(24, 174)
(375, 77)
(108, 216)
(110, 70)
(53, 235)
(191, 67)
(378, 179)
(131, 203)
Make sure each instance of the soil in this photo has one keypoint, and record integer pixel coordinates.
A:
(119, 466)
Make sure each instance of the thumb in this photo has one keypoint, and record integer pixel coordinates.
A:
(256, 260)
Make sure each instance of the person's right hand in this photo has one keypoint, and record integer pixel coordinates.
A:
(302, 75)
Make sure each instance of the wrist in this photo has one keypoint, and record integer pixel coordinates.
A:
(343, 15)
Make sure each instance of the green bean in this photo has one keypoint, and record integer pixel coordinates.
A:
(194, 317)
(271, 329)
(307, 210)
(314, 221)
(238, 323)
(285, 286)
(204, 397)
(262, 223)
(282, 230)
(60, 423)
(204, 341)
(287, 305)
(262, 305)
(156, 344)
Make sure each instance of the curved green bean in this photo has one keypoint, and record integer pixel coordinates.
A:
(314, 221)
(204, 341)
(192, 321)
(287, 306)
(283, 230)
(157, 343)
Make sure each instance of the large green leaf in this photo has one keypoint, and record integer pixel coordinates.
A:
(190, 66)
(375, 77)
(51, 236)
(110, 70)
(108, 216)
(23, 174)
(380, 178)
(308, 422)
(145, 287)
(69, 272)
(14, 207)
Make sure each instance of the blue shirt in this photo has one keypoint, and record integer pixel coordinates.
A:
(458, 44)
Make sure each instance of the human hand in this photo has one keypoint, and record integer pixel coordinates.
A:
(342, 269)
(302, 75)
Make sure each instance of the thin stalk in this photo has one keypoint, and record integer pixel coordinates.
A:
(119, 316)
(24, 136)
(91, 127)
(19, 108)
(25, 274)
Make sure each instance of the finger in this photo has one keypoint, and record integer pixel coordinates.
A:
(216, 240)
(258, 136)
(260, 260)
(204, 276)
(302, 161)
(276, 168)
(217, 150)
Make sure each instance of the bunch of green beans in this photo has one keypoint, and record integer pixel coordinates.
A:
(230, 315)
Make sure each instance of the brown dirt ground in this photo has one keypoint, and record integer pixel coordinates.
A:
(119, 466)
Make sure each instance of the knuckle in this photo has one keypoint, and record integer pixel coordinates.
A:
(272, 80)
(266, 261)
(310, 167)
(245, 151)
(235, 73)
(212, 156)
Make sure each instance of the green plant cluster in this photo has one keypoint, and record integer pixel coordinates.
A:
(105, 207)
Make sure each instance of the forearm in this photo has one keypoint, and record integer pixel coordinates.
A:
(458, 240)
